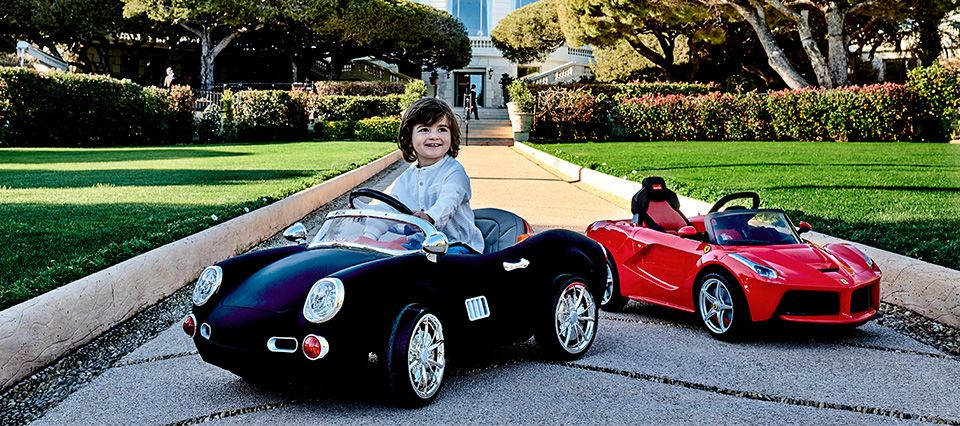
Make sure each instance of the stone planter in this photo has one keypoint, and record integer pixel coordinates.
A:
(520, 121)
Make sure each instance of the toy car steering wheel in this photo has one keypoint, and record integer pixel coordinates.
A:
(382, 197)
(736, 196)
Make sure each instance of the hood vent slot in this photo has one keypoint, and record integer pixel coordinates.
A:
(834, 269)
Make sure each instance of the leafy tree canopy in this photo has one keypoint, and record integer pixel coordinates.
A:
(530, 33)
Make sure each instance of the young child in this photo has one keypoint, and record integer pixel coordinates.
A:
(436, 187)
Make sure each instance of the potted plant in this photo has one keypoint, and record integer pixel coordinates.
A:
(520, 109)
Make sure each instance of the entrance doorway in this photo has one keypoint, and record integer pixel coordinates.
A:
(464, 80)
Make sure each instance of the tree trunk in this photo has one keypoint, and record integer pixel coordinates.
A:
(776, 57)
(209, 51)
(837, 44)
(819, 63)
(929, 42)
(294, 75)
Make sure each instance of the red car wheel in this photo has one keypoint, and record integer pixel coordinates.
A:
(722, 306)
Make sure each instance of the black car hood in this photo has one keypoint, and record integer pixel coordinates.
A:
(283, 285)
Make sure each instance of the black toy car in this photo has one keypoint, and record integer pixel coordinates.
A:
(307, 308)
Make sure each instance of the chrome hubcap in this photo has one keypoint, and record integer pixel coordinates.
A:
(426, 359)
(608, 290)
(716, 306)
(575, 321)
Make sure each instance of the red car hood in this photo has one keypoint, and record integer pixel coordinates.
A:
(800, 263)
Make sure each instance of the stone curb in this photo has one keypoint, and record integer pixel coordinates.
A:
(42, 329)
(927, 289)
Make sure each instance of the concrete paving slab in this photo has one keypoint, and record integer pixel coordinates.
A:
(553, 394)
(170, 342)
(821, 371)
(157, 393)
(870, 334)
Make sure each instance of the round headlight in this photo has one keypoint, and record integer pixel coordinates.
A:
(207, 284)
(324, 300)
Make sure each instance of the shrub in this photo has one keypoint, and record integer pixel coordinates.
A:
(66, 109)
(882, 112)
(358, 88)
(353, 108)
(269, 115)
(634, 89)
(939, 88)
(377, 129)
(334, 130)
(872, 113)
(414, 90)
(572, 114)
(520, 94)
(209, 125)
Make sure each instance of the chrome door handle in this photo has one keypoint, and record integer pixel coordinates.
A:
(522, 263)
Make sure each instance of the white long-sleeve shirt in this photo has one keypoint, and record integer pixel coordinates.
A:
(442, 190)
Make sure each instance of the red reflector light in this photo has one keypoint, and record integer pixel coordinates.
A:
(315, 347)
(190, 325)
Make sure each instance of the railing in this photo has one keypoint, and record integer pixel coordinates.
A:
(481, 44)
(566, 73)
(26, 49)
(369, 69)
(580, 51)
(204, 98)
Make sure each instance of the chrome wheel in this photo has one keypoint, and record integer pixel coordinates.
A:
(426, 359)
(716, 305)
(608, 290)
(575, 320)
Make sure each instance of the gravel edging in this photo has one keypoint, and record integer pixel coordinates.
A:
(33, 396)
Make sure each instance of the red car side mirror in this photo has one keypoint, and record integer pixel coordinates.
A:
(687, 232)
(804, 227)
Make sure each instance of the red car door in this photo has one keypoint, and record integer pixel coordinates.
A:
(664, 262)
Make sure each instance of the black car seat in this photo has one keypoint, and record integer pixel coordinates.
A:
(500, 228)
(657, 207)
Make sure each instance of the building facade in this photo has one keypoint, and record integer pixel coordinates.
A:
(488, 65)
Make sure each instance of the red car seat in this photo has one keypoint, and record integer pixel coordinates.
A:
(657, 207)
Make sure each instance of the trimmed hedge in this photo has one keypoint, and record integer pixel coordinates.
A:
(67, 109)
(353, 108)
(269, 115)
(357, 88)
(708, 117)
(940, 88)
(377, 129)
(883, 112)
(633, 89)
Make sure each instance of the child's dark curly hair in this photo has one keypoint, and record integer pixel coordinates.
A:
(427, 112)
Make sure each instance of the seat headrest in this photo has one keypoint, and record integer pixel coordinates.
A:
(656, 188)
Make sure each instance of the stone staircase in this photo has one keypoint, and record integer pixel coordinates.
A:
(492, 129)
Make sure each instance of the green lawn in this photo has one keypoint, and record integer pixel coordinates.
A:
(901, 197)
(67, 213)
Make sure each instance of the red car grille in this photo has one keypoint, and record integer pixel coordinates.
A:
(800, 302)
(860, 299)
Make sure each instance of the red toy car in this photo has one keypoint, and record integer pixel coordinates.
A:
(732, 266)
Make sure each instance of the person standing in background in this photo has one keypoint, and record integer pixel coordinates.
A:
(473, 101)
(170, 79)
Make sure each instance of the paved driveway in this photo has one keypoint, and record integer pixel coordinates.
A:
(648, 364)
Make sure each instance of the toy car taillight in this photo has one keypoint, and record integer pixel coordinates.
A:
(190, 325)
(315, 347)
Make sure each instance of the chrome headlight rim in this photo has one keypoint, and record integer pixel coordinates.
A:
(202, 294)
(324, 288)
(761, 270)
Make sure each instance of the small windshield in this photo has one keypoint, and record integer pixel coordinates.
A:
(751, 227)
(371, 232)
